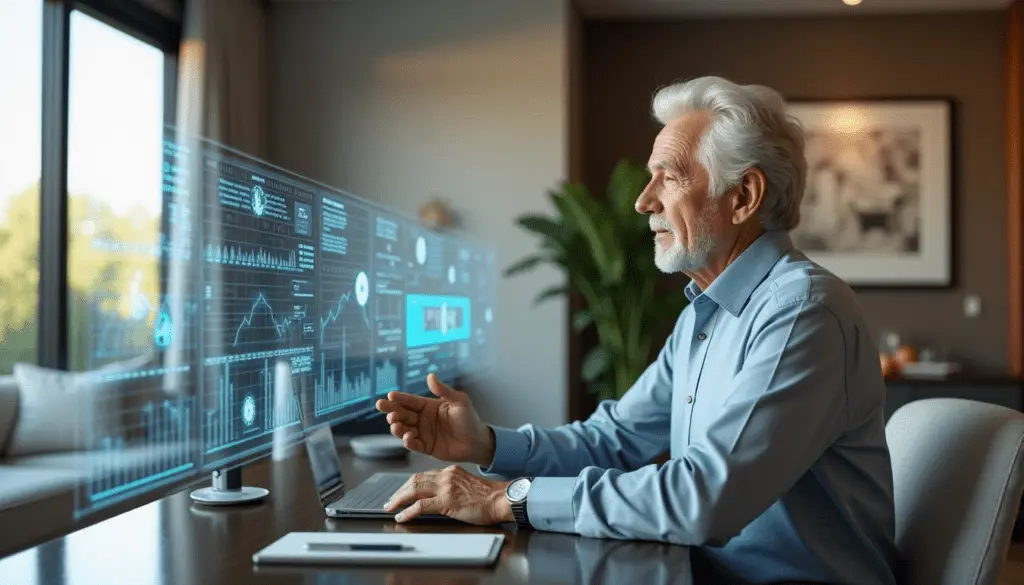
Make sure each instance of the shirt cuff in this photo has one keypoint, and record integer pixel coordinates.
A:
(549, 504)
(511, 450)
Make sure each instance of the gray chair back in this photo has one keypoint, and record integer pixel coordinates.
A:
(958, 479)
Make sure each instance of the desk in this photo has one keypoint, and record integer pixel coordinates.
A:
(175, 542)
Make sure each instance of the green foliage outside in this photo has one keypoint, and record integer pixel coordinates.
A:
(606, 251)
(100, 281)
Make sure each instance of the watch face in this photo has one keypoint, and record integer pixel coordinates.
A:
(518, 489)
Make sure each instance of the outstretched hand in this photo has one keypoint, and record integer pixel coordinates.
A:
(446, 427)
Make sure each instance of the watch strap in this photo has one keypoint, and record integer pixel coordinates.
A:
(519, 510)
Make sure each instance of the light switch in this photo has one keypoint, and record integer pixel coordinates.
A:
(972, 306)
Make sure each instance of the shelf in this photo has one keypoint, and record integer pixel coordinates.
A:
(959, 380)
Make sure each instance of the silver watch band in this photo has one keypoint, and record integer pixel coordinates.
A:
(519, 510)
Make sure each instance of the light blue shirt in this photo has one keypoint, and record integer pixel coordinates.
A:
(770, 397)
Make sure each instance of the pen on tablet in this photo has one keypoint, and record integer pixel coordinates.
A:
(356, 547)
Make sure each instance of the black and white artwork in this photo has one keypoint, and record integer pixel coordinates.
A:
(876, 208)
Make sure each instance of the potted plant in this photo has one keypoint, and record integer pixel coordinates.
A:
(605, 249)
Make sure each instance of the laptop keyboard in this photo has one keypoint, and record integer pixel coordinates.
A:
(372, 495)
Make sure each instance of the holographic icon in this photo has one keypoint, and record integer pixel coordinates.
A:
(249, 410)
(259, 200)
(488, 315)
(163, 332)
(451, 275)
(421, 250)
(362, 289)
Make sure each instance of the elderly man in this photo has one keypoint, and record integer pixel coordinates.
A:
(768, 393)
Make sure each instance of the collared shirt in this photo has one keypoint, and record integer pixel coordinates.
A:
(770, 397)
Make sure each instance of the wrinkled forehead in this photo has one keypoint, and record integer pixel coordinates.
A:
(676, 143)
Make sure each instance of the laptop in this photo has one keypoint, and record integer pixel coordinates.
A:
(367, 499)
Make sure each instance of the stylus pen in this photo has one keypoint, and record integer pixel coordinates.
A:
(335, 547)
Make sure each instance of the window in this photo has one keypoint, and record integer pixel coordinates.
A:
(115, 129)
(21, 44)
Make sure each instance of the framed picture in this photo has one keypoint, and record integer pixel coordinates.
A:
(877, 209)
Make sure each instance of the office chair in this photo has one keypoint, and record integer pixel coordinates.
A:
(958, 477)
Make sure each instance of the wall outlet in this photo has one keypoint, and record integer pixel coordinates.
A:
(972, 306)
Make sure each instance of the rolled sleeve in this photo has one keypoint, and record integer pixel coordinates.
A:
(511, 451)
(550, 504)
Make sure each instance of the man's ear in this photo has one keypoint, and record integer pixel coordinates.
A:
(749, 195)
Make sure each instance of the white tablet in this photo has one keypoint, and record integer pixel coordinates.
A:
(380, 548)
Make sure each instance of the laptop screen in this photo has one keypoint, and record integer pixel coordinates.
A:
(323, 458)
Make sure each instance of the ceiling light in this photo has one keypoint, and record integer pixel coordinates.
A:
(851, 2)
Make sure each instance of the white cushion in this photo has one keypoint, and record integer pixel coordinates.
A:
(59, 411)
(8, 409)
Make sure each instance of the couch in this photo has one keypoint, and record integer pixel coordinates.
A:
(37, 494)
(44, 454)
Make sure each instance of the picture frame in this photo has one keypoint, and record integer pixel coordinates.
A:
(877, 209)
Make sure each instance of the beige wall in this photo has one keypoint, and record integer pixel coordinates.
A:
(958, 56)
(397, 101)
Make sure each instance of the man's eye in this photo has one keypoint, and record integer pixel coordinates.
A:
(670, 179)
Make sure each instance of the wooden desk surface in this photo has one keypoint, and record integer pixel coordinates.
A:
(175, 542)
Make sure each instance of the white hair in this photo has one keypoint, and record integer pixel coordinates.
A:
(749, 128)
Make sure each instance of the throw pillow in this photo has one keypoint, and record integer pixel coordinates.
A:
(60, 411)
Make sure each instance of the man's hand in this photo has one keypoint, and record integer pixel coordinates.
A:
(448, 428)
(453, 492)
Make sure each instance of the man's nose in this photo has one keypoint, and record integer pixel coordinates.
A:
(647, 203)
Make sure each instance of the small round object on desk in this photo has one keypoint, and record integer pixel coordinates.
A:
(216, 497)
(378, 447)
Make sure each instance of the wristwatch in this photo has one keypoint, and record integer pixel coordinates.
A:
(516, 493)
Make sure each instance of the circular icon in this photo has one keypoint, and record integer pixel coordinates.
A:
(249, 410)
(421, 250)
(451, 274)
(488, 315)
(259, 200)
(362, 289)
(444, 318)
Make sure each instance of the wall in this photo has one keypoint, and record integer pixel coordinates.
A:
(401, 100)
(958, 56)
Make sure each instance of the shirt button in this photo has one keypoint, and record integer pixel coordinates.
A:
(689, 399)
(702, 336)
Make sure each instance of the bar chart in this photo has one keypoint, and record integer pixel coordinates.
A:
(341, 382)
(243, 406)
(154, 449)
(254, 258)
(387, 377)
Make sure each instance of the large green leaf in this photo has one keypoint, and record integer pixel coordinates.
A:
(550, 293)
(593, 223)
(582, 319)
(524, 265)
(627, 182)
(595, 363)
(552, 230)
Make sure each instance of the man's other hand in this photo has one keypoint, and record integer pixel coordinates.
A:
(455, 493)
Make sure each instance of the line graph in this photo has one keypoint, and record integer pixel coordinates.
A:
(336, 312)
(280, 328)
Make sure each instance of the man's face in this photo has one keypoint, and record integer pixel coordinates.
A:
(685, 219)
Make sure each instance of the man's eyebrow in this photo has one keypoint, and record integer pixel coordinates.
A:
(662, 164)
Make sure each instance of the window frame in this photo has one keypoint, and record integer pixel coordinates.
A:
(140, 22)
